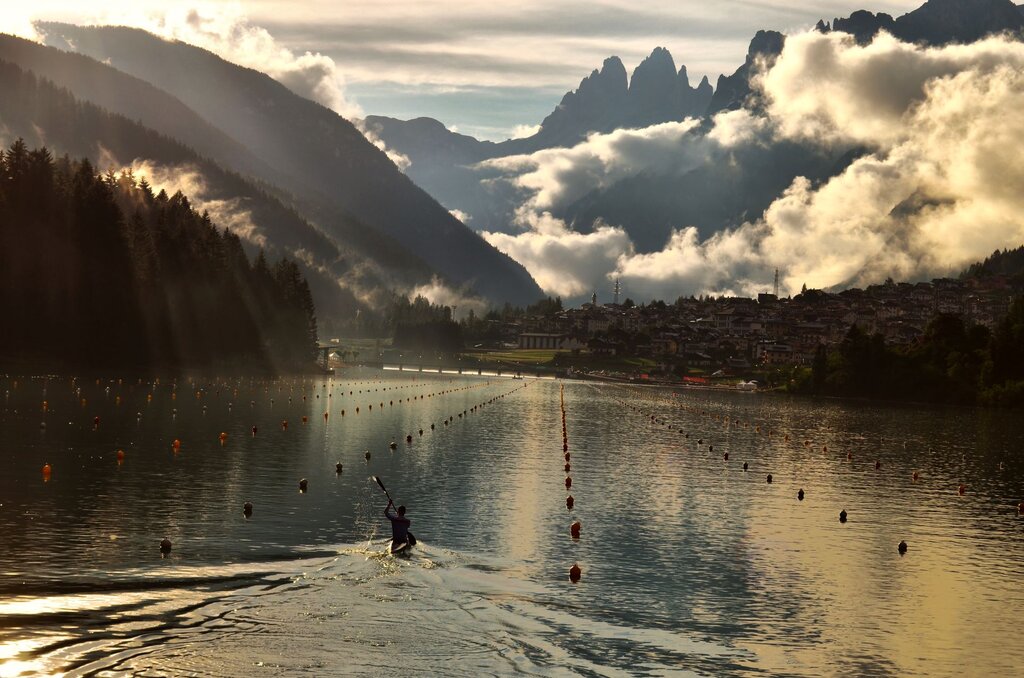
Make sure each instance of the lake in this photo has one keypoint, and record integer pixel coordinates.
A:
(690, 564)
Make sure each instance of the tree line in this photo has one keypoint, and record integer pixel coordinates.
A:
(100, 271)
(953, 363)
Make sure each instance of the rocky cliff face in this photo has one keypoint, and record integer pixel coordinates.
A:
(734, 90)
(606, 101)
(936, 22)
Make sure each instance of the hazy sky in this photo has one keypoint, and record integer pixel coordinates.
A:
(483, 67)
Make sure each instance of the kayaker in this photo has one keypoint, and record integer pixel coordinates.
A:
(399, 525)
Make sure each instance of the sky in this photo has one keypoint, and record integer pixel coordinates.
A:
(493, 70)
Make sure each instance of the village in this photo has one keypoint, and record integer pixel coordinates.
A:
(735, 334)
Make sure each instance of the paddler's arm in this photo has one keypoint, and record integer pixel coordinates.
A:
(387, 509)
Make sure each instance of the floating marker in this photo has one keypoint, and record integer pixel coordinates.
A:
(575, 573)
(247, 509)
(902, 548)
(303, 485)
(165, 546)
(842, 516)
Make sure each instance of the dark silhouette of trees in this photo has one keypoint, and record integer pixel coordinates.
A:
(97, 271)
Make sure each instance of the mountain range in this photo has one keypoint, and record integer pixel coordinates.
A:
(301, 181)
(311, 184)
(649, 205)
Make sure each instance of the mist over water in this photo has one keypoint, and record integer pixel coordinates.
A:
(690, 565)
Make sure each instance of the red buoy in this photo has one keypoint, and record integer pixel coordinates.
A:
(568, 482)
(574, 530)
(569, 502)
(961, 489)
(120, 455)
(575, 573)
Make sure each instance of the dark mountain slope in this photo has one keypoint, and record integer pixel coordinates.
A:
(95, 82)
(318, 149)
(41, 112)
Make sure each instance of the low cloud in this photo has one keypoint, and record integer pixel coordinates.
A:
(936, 186)
(225, 213)
(524, 131)
(562, 261)
(555, 177)
(461, 301)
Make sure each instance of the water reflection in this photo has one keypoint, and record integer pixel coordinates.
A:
(688, 560)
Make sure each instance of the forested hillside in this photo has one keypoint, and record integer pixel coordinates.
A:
(97, 270)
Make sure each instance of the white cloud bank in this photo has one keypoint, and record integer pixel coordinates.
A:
(938, 188)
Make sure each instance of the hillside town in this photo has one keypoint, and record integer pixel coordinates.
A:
(740, 333)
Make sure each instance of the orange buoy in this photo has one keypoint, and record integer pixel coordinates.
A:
(303, 485)
(769, 479)
(367, 454)
(902, 548)
(574, 530)
(849, 456)
(568, 482)
(326, 414)
(247, 509)
(223, 437)
(569, 502)
(120, 455)
(305, 419)
(176, 444)
(800, 494)
(726, 456)
(568, 467)
(878, 465)
(567, 456)
(165, 546)
(47, 470)
(842, 516)
(575, 573)
(914, 476)
(961, 489)
(338, 467)
(284, 425)
(95, 421)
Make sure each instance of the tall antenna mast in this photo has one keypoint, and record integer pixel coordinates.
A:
(776, 283)
(616, 290)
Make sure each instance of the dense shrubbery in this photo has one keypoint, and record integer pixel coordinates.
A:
(98, 271)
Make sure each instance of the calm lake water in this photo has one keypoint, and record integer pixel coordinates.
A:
(690, 565)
